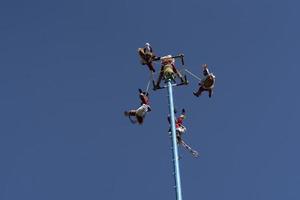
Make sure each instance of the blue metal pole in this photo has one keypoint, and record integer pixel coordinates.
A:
(174, 143)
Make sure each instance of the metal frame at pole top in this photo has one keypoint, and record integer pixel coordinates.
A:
(174, 143)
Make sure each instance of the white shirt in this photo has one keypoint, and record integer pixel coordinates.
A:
(142, 110)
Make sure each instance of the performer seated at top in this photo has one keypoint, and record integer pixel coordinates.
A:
(147, 56)
(168, 71)
(207, 83)
(140, 113)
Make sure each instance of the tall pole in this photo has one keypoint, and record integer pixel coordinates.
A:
(174, 143)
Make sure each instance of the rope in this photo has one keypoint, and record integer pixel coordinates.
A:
(192, 74)
(147, 89)
(148, 84)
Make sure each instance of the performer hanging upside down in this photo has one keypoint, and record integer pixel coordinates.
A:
(168, 71)
(147, 56)
(180, 130)
(140, 113)
(207, 83)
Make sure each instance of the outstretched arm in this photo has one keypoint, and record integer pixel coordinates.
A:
(182, 116)
(183, 111)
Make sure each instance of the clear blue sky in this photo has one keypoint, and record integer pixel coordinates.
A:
(68, 70)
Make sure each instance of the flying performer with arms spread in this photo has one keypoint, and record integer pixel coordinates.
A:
(147, 56)
(180, 130)
(140, 113)
(207, 83)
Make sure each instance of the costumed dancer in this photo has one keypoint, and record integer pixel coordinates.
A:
(140, 113)
(207, 83)
(180, 130)
(168, 71)
(147, 56)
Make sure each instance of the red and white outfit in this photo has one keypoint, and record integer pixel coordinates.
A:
(180, 128)
(141, 112)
